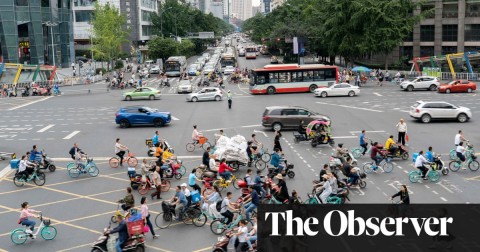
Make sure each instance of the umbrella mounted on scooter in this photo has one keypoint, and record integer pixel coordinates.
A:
(314, 123)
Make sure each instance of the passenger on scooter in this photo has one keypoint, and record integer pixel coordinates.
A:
(340, 152)
(420, 164)
(128, 201)
(213, 163)
(122, 231)
(374, 155)
(390, 145)
(333, 182)
(276, 159)
(352, 176)
(429, 155)
(283, 193)
(327, 189)
(461, 151)
(302, 129)
(224, 170)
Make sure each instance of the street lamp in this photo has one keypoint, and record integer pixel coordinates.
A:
(51, 25)
(161, 19)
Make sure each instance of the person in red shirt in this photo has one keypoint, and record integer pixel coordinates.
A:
(224, 170)
(374, 154)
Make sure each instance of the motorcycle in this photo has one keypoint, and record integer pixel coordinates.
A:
(298, 137)
(400, 152)
(360, 181)
(134, 243)
(151, 147)
(11, 92)
(336, 164)
(327, 139)
(56, 91)
(439, 165)
(222, 243)
(287, 169)
(47, 163)
(25, 92)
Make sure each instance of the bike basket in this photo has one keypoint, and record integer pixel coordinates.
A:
(149, 142)
(46, 222)
(165, 207)
(135, 227)
(14, 163)
(202, 140)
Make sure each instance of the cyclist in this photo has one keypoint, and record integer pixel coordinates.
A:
(375, 154)
(420, 164)
(192, 179)
(460, 151)
(180, 201)
(122, 231)
(24, 215)
(128, 201)
(252, 202)
(224, 170)
(459, 138)
(363, 142)
(25, 167)
(294, 199)
(225, 207)
(390, 145)
(242, 235)
(255, 142)
(73, 151)
(403, 193)
(258, 184)
(195, 134)
(120, 150)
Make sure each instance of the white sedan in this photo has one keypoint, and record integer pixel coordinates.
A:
(229, 70)
(341, 89)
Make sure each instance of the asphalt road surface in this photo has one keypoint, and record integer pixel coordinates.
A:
(80, 208)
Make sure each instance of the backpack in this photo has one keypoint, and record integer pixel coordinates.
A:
(218, 206)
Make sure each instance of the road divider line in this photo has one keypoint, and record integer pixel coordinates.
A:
(350, 107)
(342, 137)
(377, 94)
(175, 119)
(71, 134)
(46, 128)
(251, 126)
(29, 103)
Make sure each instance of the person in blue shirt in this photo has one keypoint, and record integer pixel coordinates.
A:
(180, 201)
(251, 203)
(192, 180)
(155, 138)
(363, 142)
(33, 155)
(259, 184)
(122, 231)
(429, 154)
(276, 158)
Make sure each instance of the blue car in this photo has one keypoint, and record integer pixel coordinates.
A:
(192, 71)
(141, 115)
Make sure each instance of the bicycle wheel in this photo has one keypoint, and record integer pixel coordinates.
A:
(19, 236)
(182, 170)
(74, 172)
(217, 227)
(165, 185)
(362, 184)
(473, 166)
(218, 184)
(114, 162)
(388, 167)
(453, 154)
(357, 152)
(39, 179)
(260, 165)
(143, 189)
(454, 165)
(235, 183)
(208, 191)
(434, 176)
(163, 220)
(48, 233)
(206, 145)
(367, 168)
(414, 176)
(190, 147)
(18, 181)
(266, 157)
(93, 170)
(70, 165)
(200, 220)
(189, 215)
(132, 161)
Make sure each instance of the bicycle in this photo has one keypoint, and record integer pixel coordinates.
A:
(202, 142)
(19, 236)
(131, 211)
(201, 219)
(432, 175)
(165, 218)
(259, 163)
(223, 183)
(74, 170)
(470, 162)
(358, 152)
(147, 186)
(130, 159)
(219, 226)
(385, 164)
(37, 176)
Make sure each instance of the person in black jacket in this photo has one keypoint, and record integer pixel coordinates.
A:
(122, 231)
(403, 193)
(206, 158)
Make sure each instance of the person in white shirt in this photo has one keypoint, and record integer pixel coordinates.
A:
(420, 164)
(461, 151)
(242, 235)
(327, 189)
(459, 138)
(187, 193)
(402, 131)
(120, 150)
(25, 166)
(212, 163)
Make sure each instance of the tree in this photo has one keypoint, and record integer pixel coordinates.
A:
(162, 48)
(109, 32)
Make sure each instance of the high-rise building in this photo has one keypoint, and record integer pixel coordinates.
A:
(216, 8)
(241, 9)
(276, 3)
(36, 32)
(255, 10)
(265, 6)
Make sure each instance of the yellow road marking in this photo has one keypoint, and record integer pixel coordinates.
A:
(76, 247)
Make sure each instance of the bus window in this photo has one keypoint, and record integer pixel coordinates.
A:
(307, 75)
(330, 75)
(284, 77)
(296, 76)
(273, 77)
(318, 75)
(260, 79)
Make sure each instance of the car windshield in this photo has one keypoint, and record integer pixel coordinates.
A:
(416, 104)
(330, 84)
(412, 78)
(149, 109)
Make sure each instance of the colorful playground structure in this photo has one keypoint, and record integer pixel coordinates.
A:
(22, 74)
(462, 60)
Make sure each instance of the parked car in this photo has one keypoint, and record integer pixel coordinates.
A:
(185, 86)
(228, 70)
(206, 56)
(142, 93)
(289, 117)
(421, 82)
(341, 89)
(426, 111)
(458, 86)
(206, 94)
(141, 115)
(155, 69)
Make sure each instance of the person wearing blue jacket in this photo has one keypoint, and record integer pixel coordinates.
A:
(276, 159)
(122, 231)
(429, 154)
(33, 154)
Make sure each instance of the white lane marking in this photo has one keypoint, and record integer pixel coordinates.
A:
(29, 103)
(46, 128)
(435, 192)
(251, 126)
(377, 94)
(342, 137)
(312, 170)
(443, 198)
(71, 134)
(174, 118)
(370, 131)
(259, 131)
(351, 107)
(309, 166)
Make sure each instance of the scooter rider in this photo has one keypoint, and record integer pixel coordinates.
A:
(390, 145)
(340, 152)
(33, 154)
(302, 129)
(122, 231)
(276, 159)
(420, 164)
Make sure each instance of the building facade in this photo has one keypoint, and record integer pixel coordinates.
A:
(241, 9)
(36, 32)
(265, 6)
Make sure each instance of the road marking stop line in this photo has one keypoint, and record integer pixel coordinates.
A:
(46, 128)
(71, 134)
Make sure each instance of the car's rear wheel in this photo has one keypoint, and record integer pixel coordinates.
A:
(128, 98)
(194, 99)
(432, 87)
(312, 88)
(462, 117)
(158, 122)
(469, 90)
(124, 123)
(218, 98)
(426, 118)
(270, 90)
(277, 126)
(351, 93)
(410, 88)
(151, 97)
(447, 91)
(323, 94)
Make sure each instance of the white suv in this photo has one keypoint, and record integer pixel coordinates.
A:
(421, 82)
(426, 111)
